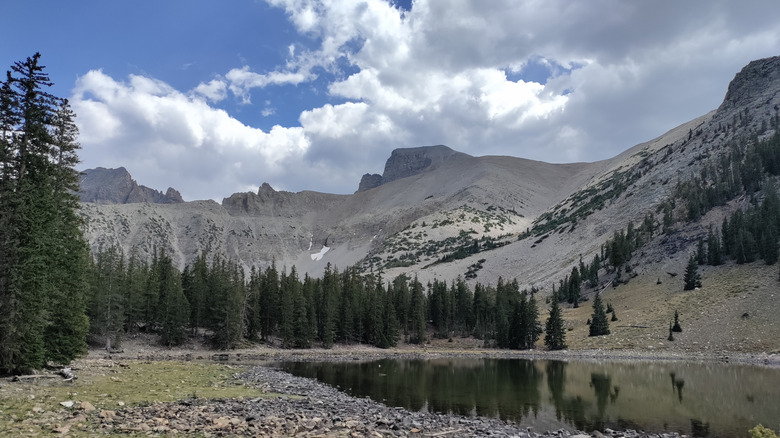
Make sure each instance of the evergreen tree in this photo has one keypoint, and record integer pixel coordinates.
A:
(135, 286)
(483, 315)
(175, 310)
(43, 255)
(531, 325)
(270, 308)
(301, 335)
(554, 330)
(676, 327)
(108, 294)
(575, 287)
(701, 253)
(692, 279)
(418, 312)
(714, 249)
(599, 325)
(328, 302)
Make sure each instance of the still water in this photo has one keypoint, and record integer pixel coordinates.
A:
(696, 399)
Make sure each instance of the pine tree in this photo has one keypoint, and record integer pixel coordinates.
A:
(692, 279)
(554, 331)
(599, 325)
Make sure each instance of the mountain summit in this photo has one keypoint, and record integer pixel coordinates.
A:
(407, 162)
(116, 186)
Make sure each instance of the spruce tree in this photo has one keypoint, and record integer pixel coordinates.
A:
(108, 295)
(554, 330)
(418, 312)
(692, 279)
(174, 308)
(43, 255)
(599, 325)
(676, 327)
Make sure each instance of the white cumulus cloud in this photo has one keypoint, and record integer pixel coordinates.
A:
(164, 137)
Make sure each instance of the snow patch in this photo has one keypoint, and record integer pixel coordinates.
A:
(318, 256)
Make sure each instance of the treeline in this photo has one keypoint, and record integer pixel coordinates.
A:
(215, 297)
(43, 255)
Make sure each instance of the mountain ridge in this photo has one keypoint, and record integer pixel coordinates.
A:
(580, 203)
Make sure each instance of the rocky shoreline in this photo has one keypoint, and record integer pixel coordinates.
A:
(308, 408)
(264, 355)
(287, 405)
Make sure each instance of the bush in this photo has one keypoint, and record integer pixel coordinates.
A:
(762, 432)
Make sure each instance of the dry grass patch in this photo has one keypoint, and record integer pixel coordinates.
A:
(33, 407)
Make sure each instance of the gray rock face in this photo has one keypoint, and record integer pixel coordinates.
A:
(406, 162)
(369, 181)
(755, 80)
(116, 186)
(411, 161)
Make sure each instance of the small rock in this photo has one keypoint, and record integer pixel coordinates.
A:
(62, 429)
(68, 404)
(106, 414)
(87, 406)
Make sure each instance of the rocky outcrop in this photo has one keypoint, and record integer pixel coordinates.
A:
(269, 202)
(116, 186)
(406, 162)
(758, 78)
(369, 181)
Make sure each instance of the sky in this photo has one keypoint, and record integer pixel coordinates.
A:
(217, 97)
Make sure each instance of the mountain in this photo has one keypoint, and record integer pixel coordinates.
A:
(540, 219)
(116, 186)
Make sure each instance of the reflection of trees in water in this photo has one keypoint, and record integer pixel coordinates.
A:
(602, 387)
(574, 410)
(508, 389)
(677, 385)
(699, 428)
(570, 409)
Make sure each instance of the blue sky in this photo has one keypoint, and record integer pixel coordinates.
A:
(213, 98)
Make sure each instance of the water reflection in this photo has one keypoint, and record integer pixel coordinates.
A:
(721, 400)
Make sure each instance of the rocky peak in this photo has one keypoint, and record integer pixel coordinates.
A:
(116, 186)
(754, 80)
(369, 181)
(405, 162)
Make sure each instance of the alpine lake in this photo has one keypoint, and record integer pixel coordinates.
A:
(696, 399)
